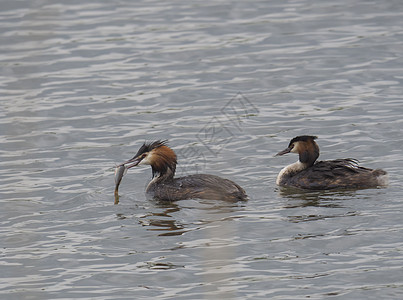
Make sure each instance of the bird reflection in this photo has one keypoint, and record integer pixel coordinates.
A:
(162, 217)
(304, 198)
(163, 221)
(326, 199)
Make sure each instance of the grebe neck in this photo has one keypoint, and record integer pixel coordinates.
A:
(291, 170)
(160, 178)
(165, 175)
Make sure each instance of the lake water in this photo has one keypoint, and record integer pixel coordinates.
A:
(228, 83)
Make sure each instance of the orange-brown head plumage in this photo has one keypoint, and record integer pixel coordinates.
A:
(157, 154)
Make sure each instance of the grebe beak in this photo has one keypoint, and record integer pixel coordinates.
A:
(285, 151)
(134, 162)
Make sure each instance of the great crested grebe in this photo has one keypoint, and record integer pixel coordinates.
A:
(306, 173)
(164, 186)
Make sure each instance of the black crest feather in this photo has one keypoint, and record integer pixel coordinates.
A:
(147, 147)
(302, 138)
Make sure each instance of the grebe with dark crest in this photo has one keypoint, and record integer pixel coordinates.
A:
(306, 173)
(164, 186)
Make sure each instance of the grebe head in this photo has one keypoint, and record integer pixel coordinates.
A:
(158, 155)
(306, 148)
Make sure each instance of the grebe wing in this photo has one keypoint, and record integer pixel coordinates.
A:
(338, 173)
(337, 167)
(211, 187)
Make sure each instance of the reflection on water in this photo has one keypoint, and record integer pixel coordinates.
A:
(297, 198)
(165, 220)
(302, 198)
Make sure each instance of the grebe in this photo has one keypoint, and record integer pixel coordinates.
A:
(164, 186)
(306, 173)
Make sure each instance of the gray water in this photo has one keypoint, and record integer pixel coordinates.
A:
(228, 83)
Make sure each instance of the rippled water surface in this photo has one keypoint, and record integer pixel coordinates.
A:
(228, 83)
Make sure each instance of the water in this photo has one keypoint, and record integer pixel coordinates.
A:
(228, 83)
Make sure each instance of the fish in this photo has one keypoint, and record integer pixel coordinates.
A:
(120, 171)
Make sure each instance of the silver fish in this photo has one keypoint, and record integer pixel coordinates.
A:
(120, 171)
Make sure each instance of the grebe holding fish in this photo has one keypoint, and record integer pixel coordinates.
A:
(164, 186)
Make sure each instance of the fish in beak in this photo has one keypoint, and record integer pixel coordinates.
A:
(121, 171)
